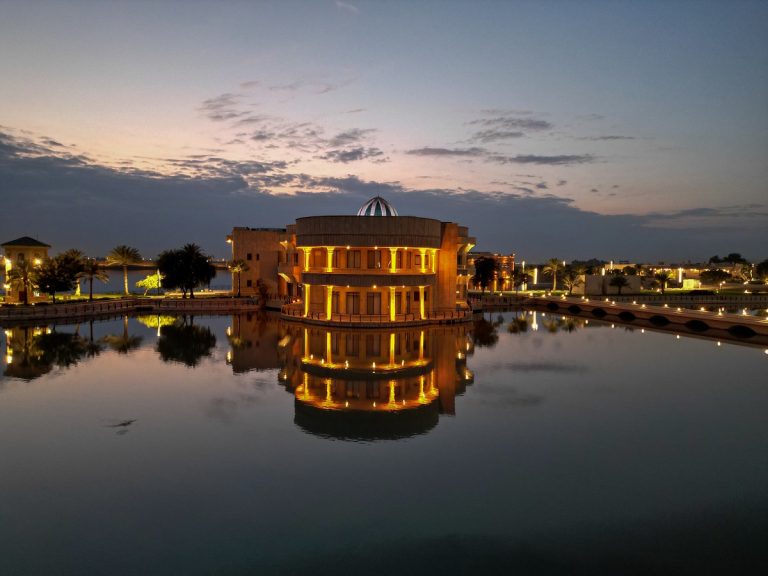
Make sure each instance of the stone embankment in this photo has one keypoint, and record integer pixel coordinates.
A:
(69, 310)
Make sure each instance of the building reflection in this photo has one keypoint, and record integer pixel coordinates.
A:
(374, 384)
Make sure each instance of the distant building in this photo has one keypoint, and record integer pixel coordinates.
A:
(503, 279)
(24, 249)
(375, 266)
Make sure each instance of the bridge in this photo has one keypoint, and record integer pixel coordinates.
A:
(742, 325)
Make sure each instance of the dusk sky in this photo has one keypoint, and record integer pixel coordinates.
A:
(609, 129)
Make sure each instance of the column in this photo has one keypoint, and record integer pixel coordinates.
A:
(306, 258)
(421, 345)
(392, 307)
(329, 261)
(421, 301)
(329, 302)
(328, 355)
(434, 260)
(423, 253)
(306, 344)
(392, 349)
(393, 256)
(307, 294)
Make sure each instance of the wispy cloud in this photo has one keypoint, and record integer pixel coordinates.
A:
(351, 136)
(352, 154)
(606, 137)
(556, 160)
(459, 152)
(346, 6)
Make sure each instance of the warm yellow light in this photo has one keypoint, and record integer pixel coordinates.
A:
(9, 359)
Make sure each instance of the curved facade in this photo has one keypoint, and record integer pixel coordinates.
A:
(373, 270)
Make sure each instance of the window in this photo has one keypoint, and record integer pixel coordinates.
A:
(257, 256)
(373, 303)
(20, 257)
(295, 258)
(335, 303)
(249, 256)
(249, 283)
(336, 259)
(408, 260)
(353, 258)
(399, 261)
(374, 259)
(418, 260)
(353, 303)
(334, 343)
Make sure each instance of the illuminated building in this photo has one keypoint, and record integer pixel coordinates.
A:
(503, 278)
(375, 267)
(16, 251)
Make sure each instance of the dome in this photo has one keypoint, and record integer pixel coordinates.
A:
(377, 206)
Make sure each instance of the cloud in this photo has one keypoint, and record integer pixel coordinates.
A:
(461, 152)
(199, 198)
(346, 6)
(351, 154)
(607, 137)
(558, 160)
(494, 135)
(351, 136)
(222, 107)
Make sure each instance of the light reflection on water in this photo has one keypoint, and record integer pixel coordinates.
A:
(232, 445)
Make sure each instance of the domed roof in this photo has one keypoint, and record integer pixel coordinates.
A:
(377, 206)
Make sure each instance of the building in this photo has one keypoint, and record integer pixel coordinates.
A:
(375, 266)
(24, 249)
(503, 279)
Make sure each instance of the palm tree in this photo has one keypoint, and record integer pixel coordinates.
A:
(125, 343)
(22, 274)
(123, 256)
(619, 281)
(663, 277)
(73, 260)
(551, 269)
(572, 279)
(520, 277)
(92, 269)
(238, 267)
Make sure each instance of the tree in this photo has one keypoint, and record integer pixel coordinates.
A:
(572, 279)
(123, 343)
(714, 276)
(761, 270)
(73, 261)
(55, 275)
(22, 274)
(663, 277)
(551, 268)
(185, 343)
(186, 269)
(485, 270)
(629, 271)
(619, 281)
(520, 277)
(238, 267)
(123, 256)
(151, 282)
(92, 270)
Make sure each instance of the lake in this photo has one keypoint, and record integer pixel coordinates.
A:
(527, 443)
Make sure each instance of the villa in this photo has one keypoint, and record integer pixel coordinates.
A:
(17, 251)
(373, 267)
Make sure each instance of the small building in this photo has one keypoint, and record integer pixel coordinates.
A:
(24, 249)
(374, 266)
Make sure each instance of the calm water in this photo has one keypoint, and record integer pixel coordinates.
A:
(240, 445)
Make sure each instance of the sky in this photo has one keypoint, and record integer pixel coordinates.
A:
(619, 130)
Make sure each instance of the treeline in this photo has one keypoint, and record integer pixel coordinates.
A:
(183, 269)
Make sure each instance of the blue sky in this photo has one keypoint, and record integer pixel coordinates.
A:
(620, 130)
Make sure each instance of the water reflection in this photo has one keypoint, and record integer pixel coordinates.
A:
(373, 384)
(185, 342)
(123, 343)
